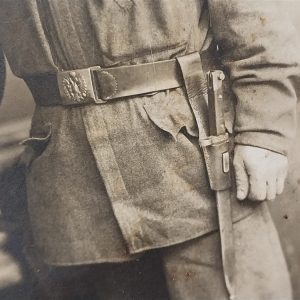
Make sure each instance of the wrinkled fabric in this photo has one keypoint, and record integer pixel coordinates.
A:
(261, 50)
(188, 271)
(193, 269)
(117, 179)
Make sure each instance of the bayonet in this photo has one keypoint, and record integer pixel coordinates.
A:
(214, 142)
(222, 188)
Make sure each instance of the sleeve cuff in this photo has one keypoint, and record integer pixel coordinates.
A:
(269, 141)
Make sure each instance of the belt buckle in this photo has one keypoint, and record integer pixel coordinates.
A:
(77, 87)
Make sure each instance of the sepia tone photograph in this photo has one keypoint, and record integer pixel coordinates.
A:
(149, 150)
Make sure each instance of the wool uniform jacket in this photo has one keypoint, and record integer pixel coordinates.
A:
(107, 182)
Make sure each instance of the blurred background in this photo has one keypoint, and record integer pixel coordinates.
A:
(17, 107)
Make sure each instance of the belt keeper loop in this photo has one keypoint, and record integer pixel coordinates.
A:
(213, 140)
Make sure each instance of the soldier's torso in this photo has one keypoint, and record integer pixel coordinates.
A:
(39, 36)
(118, 177)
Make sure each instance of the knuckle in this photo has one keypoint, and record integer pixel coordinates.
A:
(257, 195)
(240, 182)
(279, 192)
(271, 197)
(241, 189)
(260, 197)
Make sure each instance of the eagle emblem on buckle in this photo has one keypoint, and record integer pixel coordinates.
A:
(75, 87)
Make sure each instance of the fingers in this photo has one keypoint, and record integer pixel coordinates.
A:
(261, 189)
(271, 189)
(255, 186)
(260, 173)
(258, 188)
(280, 182)
(242, 181)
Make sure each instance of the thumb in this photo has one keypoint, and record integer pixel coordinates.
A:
(241, 178)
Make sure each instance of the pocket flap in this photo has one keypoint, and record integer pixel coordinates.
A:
(35, 145)
(36, 142)
(171, 112)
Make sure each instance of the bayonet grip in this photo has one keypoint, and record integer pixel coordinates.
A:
(215, 102)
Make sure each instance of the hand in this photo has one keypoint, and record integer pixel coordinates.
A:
(260, 173)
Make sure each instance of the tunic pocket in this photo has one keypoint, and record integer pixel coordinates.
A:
(170, 111)
(36, 145)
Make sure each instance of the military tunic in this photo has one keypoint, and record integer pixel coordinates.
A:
(117, 179)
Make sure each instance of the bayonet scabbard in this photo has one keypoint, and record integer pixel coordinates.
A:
(215, 144)
(220, 180)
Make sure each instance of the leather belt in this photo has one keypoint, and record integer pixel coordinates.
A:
(98, 85)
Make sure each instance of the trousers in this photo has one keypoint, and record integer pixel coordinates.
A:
(187, 271)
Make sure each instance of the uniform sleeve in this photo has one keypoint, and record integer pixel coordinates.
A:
(2, 74)
(260, 49)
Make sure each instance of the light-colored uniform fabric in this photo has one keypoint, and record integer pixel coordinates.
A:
(192, 270)
(118, 179)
